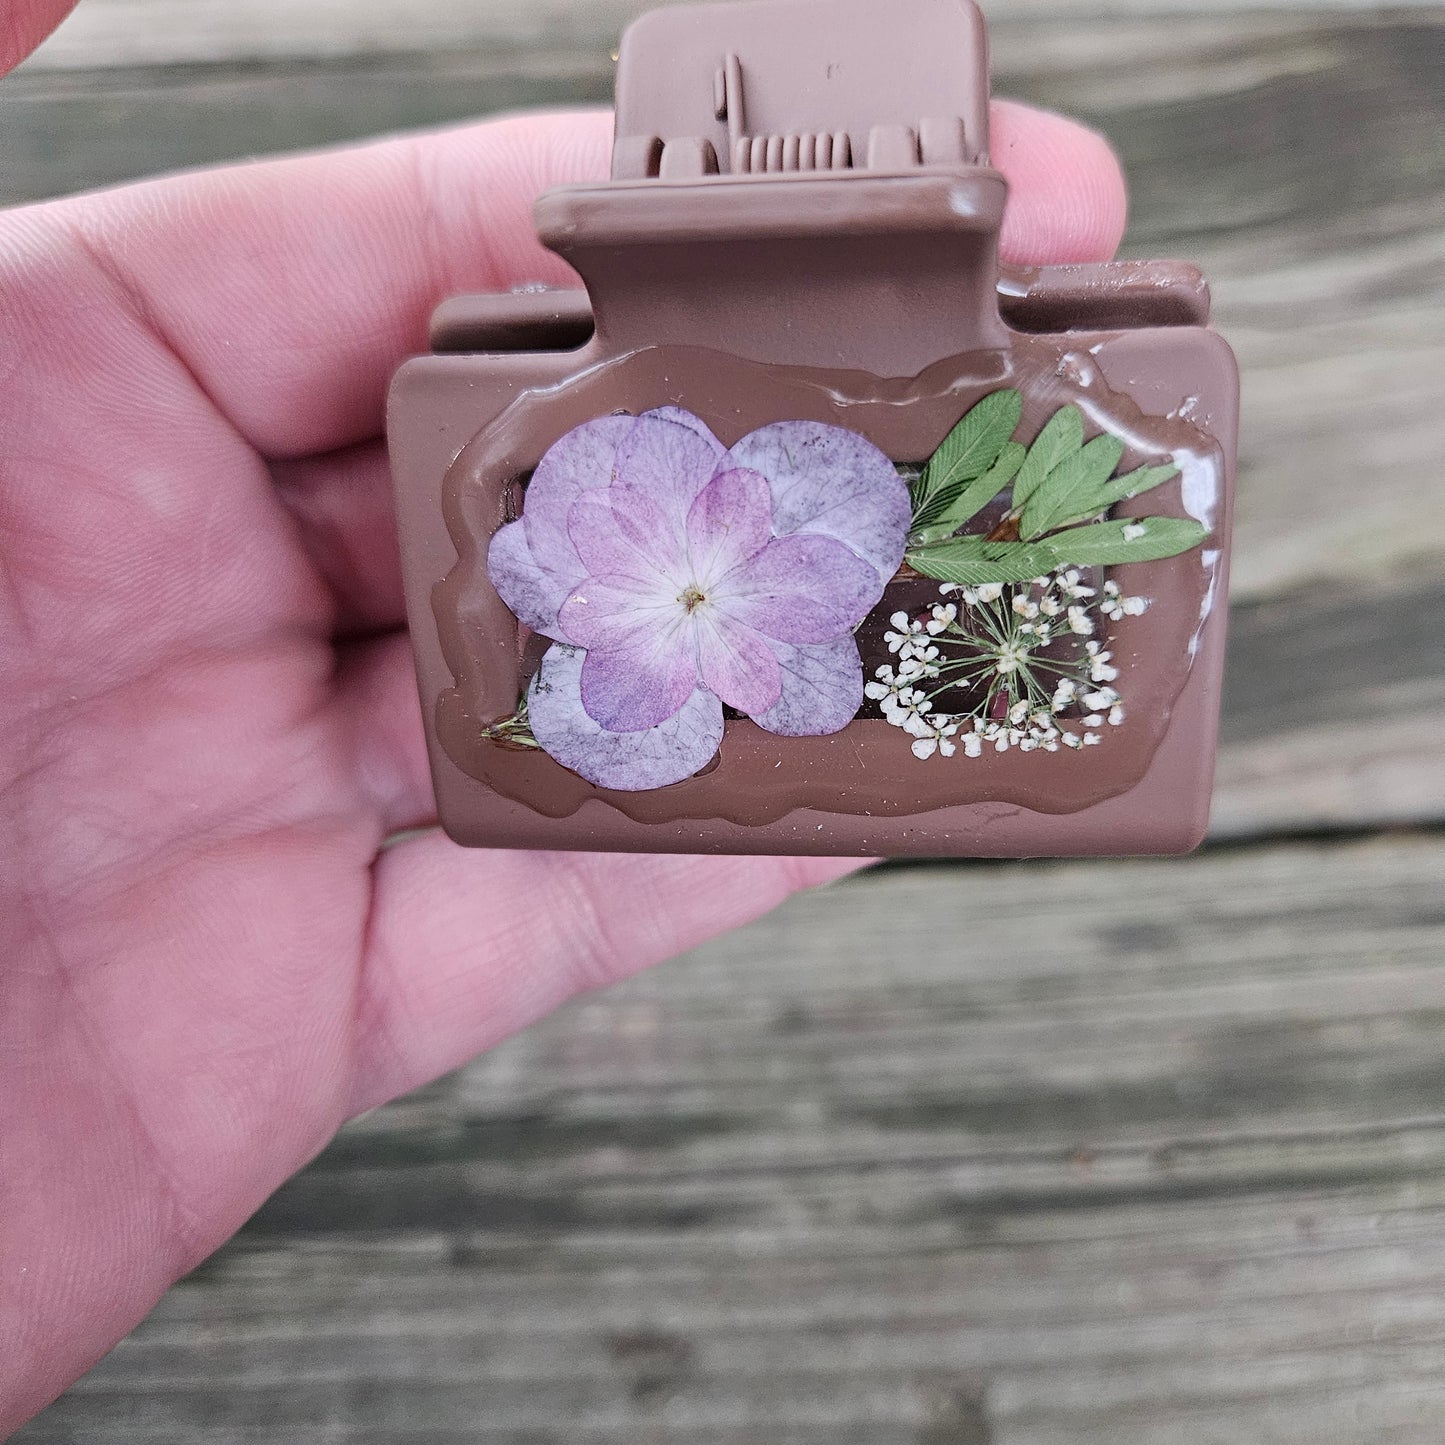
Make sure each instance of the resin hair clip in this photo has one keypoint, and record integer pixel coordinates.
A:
(805, 528)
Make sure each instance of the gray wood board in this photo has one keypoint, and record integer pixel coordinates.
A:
(109, 33)
(1137, 1153)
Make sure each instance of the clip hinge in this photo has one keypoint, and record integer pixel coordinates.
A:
(771, 87)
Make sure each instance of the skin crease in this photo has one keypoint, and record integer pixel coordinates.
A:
(208, 723)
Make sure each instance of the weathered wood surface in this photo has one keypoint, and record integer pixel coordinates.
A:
(110, 33)
(1081, 1154)
(1300, 156)
(1143, 1153)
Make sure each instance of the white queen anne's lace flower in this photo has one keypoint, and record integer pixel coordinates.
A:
(1028, 654)
(1115, 606)
(1100, 669)
(905, 634)
(938, 738)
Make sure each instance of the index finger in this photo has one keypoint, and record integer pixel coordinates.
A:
(292, 289)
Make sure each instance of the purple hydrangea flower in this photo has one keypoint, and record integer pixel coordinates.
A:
(677, 576)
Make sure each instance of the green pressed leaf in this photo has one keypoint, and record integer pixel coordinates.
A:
(1062, 435)
(1105, 544)
(954, 505)
(974, 445)
(1092, 504)
(973, 561)
(1056, 499)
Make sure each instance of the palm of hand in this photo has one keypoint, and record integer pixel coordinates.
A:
(208, 725)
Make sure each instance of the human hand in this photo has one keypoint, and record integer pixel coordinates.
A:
(208, 725)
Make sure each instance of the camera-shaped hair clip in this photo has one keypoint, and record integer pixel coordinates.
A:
(805, 528)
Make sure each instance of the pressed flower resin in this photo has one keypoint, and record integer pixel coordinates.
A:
(803, 528)
(677, 576)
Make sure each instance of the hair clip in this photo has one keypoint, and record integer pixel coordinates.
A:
(806, 527)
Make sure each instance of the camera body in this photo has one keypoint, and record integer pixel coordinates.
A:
(802, 228)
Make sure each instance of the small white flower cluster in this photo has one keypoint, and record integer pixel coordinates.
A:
(1115, 606)
(995, 645)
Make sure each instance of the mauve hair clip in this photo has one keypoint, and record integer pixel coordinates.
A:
(805, 528)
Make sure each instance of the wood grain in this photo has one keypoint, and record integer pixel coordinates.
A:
(1142, 1153)
(117, 33)
(1331, 715)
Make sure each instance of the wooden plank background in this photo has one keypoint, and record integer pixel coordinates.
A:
(1031, 1154)
(1144, 1153)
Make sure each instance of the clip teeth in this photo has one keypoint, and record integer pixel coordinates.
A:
(765, 154)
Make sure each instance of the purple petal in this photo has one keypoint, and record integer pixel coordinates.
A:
(626, 536)
(533, 594)
(582, 460)
(801, 588)
(669, 463)
(822, 689)
(829, 480)
(607, 611)
(731, 520)
(693, 423)
(736, 663)
(628, 762)
(643, 679)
